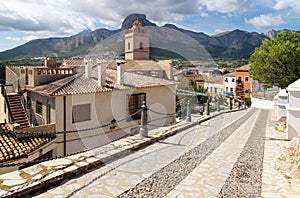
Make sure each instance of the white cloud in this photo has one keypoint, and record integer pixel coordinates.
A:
(267, 21)
(50, 18)
(21, 39)
(71, 16)
(226, 6)
(218, 31)
(292, 5)
(202, 12)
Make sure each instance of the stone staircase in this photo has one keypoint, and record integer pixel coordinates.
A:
(17, 110)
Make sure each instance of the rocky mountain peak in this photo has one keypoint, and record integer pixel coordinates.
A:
(83, 32)
(232, 44)
(127, 23)
(271, 34)
(171, 26)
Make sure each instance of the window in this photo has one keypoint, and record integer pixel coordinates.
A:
(226, 79)
(246, 79)
(191, 82)
(141, 45)
(39, 107)
(154, 74)
(81, 113)
(239, 80)
(135, 104)
(128, 45)
(28, 103)
(233, 80)
(231, 89)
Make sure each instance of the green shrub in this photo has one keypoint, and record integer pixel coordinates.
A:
(248, 102)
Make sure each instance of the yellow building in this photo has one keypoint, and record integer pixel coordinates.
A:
(189, 78)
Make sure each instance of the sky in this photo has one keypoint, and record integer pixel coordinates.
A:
(25, 20)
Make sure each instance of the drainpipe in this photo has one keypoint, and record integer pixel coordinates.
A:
(65, 126)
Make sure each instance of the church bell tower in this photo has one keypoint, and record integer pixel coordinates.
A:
(137, 43)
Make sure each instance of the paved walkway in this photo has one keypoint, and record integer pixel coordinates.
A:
(125, 173)
(135, 173)
(206, 180)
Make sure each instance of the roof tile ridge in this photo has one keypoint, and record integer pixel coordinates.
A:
(67, 83)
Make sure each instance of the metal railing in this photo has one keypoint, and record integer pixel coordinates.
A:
(142, 129)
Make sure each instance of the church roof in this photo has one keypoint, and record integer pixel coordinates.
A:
(137, 23)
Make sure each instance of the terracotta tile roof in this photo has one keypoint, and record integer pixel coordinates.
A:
(232, 74)
(12, 147)
(73, 62)
(50, 88)
(79, 84)
(215, 79)
(183, 71)
(142, 65)
(243, 68)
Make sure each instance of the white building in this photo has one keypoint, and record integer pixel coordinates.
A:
(229, 83)
(96, 98)
(214, 85)
(98, 101)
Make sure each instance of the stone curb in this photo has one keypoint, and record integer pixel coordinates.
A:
(80, 166)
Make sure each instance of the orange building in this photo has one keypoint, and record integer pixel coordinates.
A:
(243, 82)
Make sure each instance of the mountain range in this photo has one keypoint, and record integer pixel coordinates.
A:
(234, 44)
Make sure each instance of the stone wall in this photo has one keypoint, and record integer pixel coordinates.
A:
(280, 102)
(293, 110)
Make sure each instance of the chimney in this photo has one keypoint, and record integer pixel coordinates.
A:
(101, 72)
(120, 72)
(88, 68)
(50, 63)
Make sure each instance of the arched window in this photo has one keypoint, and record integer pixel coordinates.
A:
(128, 45)
(141, 45)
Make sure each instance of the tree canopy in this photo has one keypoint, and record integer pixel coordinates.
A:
(277, 61)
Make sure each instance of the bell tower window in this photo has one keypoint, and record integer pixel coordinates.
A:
(141, 45)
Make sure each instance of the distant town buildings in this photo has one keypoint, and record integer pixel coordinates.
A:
(214, 85)
(243, 81)
(189, 77)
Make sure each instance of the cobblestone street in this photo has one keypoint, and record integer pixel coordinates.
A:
(230, 155)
